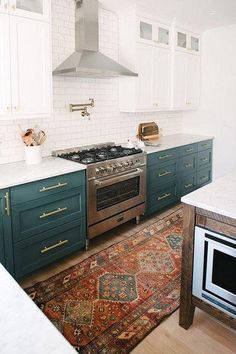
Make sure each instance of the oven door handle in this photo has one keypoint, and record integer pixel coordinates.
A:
(112, 180)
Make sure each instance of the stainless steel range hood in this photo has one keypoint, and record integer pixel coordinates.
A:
(87, 61)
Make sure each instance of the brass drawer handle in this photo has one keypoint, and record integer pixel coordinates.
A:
(189, 150)
(204, 159)
(188, 165)
(164, 157)
(166, 173)
(61, 243)
(204, 178)
(164, 196)
(46, 215)
(59, 185)
(188, 185)
(205, 145)
(7, 208)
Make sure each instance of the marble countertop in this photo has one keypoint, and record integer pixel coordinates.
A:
(14, 174)
(24, 328)
(218, 197)
(175, 140)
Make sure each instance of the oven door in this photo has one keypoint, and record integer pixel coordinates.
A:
(115, 194)
(220, 268)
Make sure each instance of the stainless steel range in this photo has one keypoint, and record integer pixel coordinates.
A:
(116, 184)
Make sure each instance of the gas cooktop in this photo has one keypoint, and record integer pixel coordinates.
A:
(96, 154)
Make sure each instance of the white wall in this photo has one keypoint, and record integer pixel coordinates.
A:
(66, 129)
(217, 115)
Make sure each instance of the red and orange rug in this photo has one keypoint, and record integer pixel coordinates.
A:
(109, 302)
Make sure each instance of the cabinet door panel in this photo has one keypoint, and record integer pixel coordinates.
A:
(180, 77)
(144, 80)
(161, 78)
(31, 73)
(5, 86)
(193, 80)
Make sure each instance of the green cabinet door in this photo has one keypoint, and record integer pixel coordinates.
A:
(6, 254)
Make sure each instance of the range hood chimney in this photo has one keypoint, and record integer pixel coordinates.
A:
(87, 61)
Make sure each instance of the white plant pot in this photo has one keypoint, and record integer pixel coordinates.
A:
(33, 155)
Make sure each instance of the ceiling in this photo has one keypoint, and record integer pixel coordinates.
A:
(199, 14)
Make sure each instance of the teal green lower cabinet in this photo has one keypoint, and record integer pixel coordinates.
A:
(50, 246)
(41, 222)
(173, 173)
(6, 251)
(36, 216)
(161, 197)
(204, 177)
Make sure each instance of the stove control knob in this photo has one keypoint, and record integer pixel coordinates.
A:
(110, 168)
(97, 171)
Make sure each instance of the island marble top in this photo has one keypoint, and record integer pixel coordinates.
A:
(218, 197)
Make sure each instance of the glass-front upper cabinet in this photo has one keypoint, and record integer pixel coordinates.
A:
(187, 41)
(34, 9)
(153, 33)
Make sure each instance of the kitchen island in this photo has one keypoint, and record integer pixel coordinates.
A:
(208, 262)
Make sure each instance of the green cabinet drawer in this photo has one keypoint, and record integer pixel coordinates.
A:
(204, 159)
(161, 174)
(162, 197)
(204, 145)
(33, 253)
(46, 187)
(162, 156)
(188, 164)
(204, 177)
(188, 149)
(34, 217)
(187, 184)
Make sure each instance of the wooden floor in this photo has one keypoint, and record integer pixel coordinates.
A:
(206, 336)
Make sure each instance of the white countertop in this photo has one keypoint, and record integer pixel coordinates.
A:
(175, 140)
(24, 328)
(14, 174)
(218, 197)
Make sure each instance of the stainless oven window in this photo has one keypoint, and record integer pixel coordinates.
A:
(117, 193)
(223, 272)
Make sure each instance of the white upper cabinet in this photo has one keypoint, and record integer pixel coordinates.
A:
(153, 33)
(143, 82)
(25, 67)
(186, 81)
(5, 81)
(30, 53)
(167, 60)
(34, 9)
(161, 76)
(150, 91)
(187, 41)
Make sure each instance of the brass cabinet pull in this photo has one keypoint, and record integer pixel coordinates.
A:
(189, 150)
(204, 159)
(164, 196)
(59, 185)
(164, 157)
(205, 145)
(7, 208)
(61, 243)
(188, 185)
(166, 173)
(188, 165)
(204, 178)
(46, 215)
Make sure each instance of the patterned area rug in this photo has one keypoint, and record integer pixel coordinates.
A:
(109, 302)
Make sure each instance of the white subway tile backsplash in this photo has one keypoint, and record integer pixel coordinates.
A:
(65, 129)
